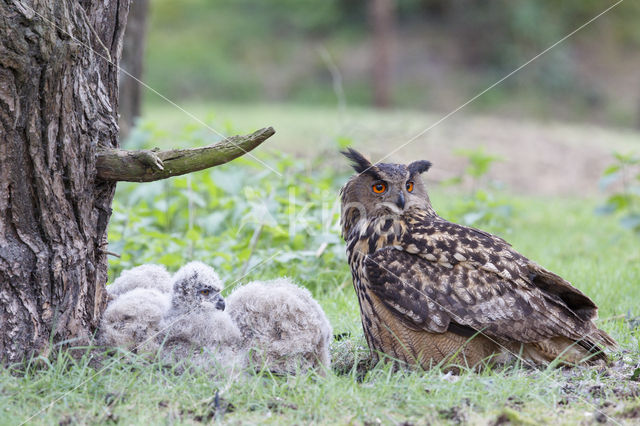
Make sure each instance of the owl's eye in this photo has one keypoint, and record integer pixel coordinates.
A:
(205, 291)
(379, 187)
(410, 186)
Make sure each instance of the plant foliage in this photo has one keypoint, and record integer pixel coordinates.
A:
(233, 217)
(481, 207)
(624, 175)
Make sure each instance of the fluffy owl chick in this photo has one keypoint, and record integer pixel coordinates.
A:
(131, 320)
(196, 328)
(143, 276)
(196, 287)
(283, 328)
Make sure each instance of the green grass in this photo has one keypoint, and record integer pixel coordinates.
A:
(212, 216)
(564, 235)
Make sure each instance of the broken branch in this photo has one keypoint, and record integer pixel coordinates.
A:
(150, 165)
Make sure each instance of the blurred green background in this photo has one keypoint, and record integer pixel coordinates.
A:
(441, 53)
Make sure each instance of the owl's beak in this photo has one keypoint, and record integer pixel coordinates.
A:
(400, 200)
(220, 305)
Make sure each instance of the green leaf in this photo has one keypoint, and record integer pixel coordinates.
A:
(481, 195)
(344, 142)
(623, 158)
(172, 260)
(631, 221)
(620, 201)
(605, 209)
(611, 169)
(193, 235)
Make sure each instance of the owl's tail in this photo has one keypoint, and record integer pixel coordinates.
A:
(595, 343)
(601, 337)
(569, 351)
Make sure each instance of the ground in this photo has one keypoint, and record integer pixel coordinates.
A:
(551, 194)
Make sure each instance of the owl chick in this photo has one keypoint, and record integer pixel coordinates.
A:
(131, 320)
(196, 328)
(283, 328)
(194, 288)
(433, 291)
(143, 276)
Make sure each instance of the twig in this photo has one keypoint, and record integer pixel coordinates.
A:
(613, 318)
(150, 165)
(321, 249)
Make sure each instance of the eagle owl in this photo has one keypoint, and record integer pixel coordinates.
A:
(131, 320)
(434, 292)
(283, 328)
(196, 287)
(148, 276)
(196, 329)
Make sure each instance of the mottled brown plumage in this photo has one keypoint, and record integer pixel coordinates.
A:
(432, 291)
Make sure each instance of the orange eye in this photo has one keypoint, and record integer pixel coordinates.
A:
(205, 291)
(379, 188)
(410, 186)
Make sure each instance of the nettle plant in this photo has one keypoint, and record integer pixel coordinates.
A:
(625, 175)
(241, 218)
(481, 206)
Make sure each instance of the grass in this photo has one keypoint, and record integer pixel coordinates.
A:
(179, 220)
(564, 235)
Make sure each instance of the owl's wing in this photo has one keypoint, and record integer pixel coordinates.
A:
(450, 244)
(446, 275)
(435, 298)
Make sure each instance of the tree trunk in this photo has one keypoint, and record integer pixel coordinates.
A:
(133, 48)
(381, 13)
(638, 115)
(58, 102)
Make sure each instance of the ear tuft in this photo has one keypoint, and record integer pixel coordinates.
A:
(359, 162)
(418, 167)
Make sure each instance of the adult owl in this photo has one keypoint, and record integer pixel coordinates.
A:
(433, 292)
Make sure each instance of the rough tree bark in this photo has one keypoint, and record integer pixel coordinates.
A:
(132, 61)
(381, 13)
(58, 103)
(58, 108)
(638, 115)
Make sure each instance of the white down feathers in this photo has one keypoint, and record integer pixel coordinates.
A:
(196, 329)
(283, 328)
(131, 320)
(143, 276)
(273, 325)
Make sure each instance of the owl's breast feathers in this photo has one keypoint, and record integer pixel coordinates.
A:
(439, 277)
